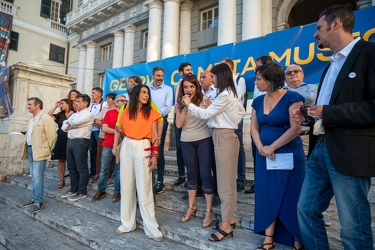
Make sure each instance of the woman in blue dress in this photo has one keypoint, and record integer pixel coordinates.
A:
(273, 132)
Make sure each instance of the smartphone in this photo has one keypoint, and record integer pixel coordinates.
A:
(303, 110)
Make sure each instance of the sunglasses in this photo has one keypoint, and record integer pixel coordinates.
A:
(121, 100)
(296, 71)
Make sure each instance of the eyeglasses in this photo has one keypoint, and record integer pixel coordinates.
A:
(296, 71)
(121, 100)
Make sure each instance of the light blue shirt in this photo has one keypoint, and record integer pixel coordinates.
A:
(308, 91)
(162, 96)
(211, 93)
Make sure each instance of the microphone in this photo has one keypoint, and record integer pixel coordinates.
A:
(183, 104)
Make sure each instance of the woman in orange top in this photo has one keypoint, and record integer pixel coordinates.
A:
(139, 121)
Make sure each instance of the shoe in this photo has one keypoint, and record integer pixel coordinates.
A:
(179, 181)
(29, 203)
(250, 190)
(119, 232)
(222, 232)
(158, 239)
(67, 175)
(299, 246)
(61, 184)
(98, 196)
(233, 225)
(116, 197)
(207, 223)
(240, 185)
(68, 194)
(159, 187)
(95, 178)
(37, 208)
(193, 211)
(110, 183)
(198, 195)
(77, 197)
(271, 244)
(216, 201)
(327, 220)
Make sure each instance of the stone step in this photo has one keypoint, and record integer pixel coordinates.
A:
(169, 201)
(20, 231)
(89, 228)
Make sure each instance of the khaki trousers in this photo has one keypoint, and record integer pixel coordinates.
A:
(136, 176)
(226, 147)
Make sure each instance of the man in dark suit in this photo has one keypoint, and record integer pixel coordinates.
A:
(342, 157)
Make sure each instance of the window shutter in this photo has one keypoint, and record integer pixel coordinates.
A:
(45, 9)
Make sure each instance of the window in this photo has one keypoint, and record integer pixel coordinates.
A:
(101, 80)
(14, 40)
(106, 52)
(56, 53)
(56, 10)
(144, 39)
(10, 1)
(209, 18)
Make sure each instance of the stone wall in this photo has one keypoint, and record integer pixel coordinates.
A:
(26, 81)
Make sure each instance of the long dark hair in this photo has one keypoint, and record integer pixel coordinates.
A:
(70, 104)
(133, 104)
(224, 78)
(198, 96)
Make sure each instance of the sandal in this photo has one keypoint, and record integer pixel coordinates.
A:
(61, 184)
(222, 232)
(207, 223)
(233, 225)
(271, 244)
(301, 247)
(194, 210)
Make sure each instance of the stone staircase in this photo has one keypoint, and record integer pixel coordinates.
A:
(92, 225)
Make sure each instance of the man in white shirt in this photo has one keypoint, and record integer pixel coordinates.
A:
(40, 141)
(162, 96)
(240, 85)
(78, 126)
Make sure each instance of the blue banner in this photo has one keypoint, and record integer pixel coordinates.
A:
(291, 46)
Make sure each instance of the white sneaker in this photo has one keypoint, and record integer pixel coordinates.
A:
(77, 197)
(68, 194)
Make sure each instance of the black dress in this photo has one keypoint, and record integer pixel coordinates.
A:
(59, 152)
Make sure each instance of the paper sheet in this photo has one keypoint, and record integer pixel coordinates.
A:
(282, 161)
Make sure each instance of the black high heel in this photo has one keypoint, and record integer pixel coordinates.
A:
(271, 244)
(233, 225)
(222, 232)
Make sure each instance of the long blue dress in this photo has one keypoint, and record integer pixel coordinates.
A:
(277, 191)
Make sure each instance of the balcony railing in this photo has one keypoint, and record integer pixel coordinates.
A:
(8, 8)
(58, 26)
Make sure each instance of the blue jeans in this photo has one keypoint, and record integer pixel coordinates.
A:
(106, 160)
(76, 158)
(161, 160)
(116, 173)
(37, 176)
(241, 168)
(93, 151)
(322, 181)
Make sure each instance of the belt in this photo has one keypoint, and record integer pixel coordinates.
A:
(29, 146)
(321, 137)
(137, 139)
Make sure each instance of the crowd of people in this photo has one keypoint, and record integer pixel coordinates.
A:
(124, 136)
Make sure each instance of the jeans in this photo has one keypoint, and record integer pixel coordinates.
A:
(116, 172)
(37, 176)
(180, 159)
(76, 157)
(199, 157)
(106, 159)
(241, 168)
(322, 181)
(161, 160)
(93, 151)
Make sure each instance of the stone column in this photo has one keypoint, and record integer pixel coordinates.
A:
(251, 19)
(266, 17)
(129, 45)
(227, 22)
(89, 68)
(170, 28)
(185, 27)
(81, 68)
(154, 30)
(118, 48)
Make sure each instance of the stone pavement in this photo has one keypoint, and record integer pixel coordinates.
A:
(92, 225)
